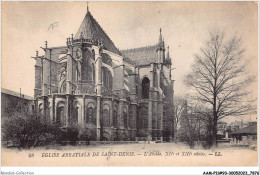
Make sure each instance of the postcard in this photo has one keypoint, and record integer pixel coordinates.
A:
(129, 83)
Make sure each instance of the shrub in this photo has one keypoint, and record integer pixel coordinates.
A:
(87, 132)
(25, 130)
(72, 134)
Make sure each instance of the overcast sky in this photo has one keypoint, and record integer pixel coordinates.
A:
(185, 27)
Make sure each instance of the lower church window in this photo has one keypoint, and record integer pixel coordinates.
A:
(105, 118)
(145, 87)
(61, 116)
(115, 118)
(90, 116)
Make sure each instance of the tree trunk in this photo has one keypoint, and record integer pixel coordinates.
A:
(175, 136)
(214, 130)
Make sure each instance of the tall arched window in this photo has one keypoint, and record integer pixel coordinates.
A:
(61, 119)
(90, 116)
(86, 71)
(107, 78)
(145, 87)
(41, 110)
(105, 118)
(93, 55)
(77, 114)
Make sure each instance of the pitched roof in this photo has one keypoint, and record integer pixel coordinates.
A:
(252, 129)
(90, 29)
(16, 94)
(140, 56)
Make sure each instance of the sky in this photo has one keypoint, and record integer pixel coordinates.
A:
(185, 28)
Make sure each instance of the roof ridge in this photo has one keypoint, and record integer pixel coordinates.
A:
(14, 93)
(140, 48)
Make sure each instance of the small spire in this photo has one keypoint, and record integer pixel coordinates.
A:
(46, 44)
(87, 6)
(160, 37)
(168, 53)
(36, 53)
(163, 40)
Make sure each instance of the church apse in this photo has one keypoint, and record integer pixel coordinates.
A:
(89, 82)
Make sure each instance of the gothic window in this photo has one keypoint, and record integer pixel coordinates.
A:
(77, 114)
(93, 55)
(61, 119)
(105, 118)
(145, 87)
(107, 78)
(78, 53)
(90, 116)
(86, 71)
(41, 110)
(115, 118)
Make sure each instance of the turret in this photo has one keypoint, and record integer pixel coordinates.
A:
(168, 53)
(160, 49)
(160, 37)
(167, 61)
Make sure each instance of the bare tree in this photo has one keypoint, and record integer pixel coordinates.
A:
(219, 78)
(178, 108)
(190, 123)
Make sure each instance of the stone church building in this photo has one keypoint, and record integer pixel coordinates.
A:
(120, 94)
